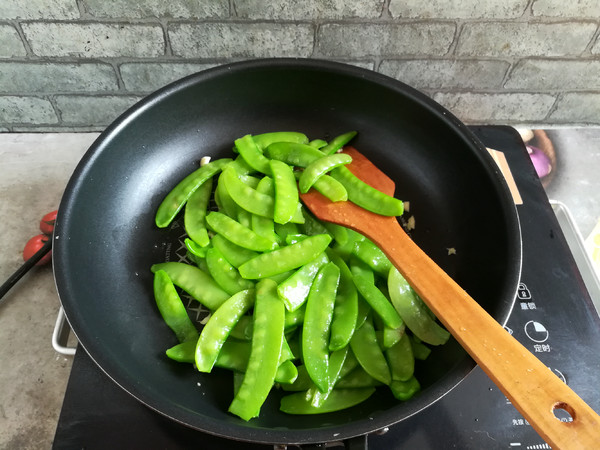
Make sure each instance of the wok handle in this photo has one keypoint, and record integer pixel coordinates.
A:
(528, 383)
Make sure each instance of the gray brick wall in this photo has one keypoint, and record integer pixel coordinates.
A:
(77, 64)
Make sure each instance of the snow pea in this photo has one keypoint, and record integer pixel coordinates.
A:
(337, 400)
(261, 225)
(195, 282)
(358, 378)
(381, 305)
(294, 291)
(218, 327)
(371, 255)
(172, 309)
(413, 311)
(334, 369)
(400, 359)
(404, 390)
(315, 330)
(265, 139)
(331, 188)
(345, 309)
(180, 194)
(286, 192)
(317, 143)
(367, 196)
(338, 142)
(245, 196)
(267, 340)
(299, 155)
(233, 253)
(420, 350)
(365, 347)
(238, 233)
(247, 148)
(392, 335)
(195, 213)
(285, 258)
(224, 273)
(320, 167)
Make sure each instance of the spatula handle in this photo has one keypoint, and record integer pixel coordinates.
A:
(529, 384)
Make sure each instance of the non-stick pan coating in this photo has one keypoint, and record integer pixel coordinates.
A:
(106, 240)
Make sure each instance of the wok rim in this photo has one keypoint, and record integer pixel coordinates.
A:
(288, 436)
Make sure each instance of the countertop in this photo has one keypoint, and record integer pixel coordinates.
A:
(34, 170)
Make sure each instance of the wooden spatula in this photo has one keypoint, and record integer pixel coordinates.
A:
(530, 386)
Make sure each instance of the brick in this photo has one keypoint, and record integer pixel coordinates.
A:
(11, 42)
(538, 74)
(39, 9)
(18, 109)
(24, 77)
(446, 74)
(560, 8)
(578, 107)
(308, 10)
(483, 108)
(358, 40)
(94, 39)
(92, 111)
(524, 39)
(147, 77)
(226, 40)
(141, 9)
(596, 47)
(457, 9)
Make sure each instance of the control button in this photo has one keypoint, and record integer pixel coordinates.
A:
(536, 331)
(523, 292)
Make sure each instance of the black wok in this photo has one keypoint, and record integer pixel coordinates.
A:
(106, 240)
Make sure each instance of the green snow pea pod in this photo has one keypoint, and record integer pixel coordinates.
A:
(241, 166)
(420, 350)
(404, 390)
(172, 309)
(357, 379)
(401, 360)
(337, 400)
(371, 255)
(365, 347)
(195, 249)
(317, 320)
(301, 383)
(261, 225)
(182, 352)
(286, 192)
(195, 282)
(245, 196)
(317, 143)
(331, 188)
(267, 340)
(299, 155)
(233, 253)
(243, 329)
(392, 335)
(413, 311)
(338, 142)
(175, 199)
(252, 154)
(285, 258)
(224, 201)
(345, 310)
(238, 233)
(336, 363)
(195, 213)
(371, 293)
(366, 196)
(320, 167)
(224, 273)
(265, 139)
(218, 327)
(294, 291)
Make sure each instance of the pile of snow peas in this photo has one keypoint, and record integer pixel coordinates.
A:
(312, 308)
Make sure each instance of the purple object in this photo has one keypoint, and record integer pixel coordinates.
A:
(541, 162)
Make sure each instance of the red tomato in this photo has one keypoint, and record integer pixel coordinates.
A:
(32, 247)
(47, 223)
